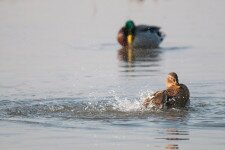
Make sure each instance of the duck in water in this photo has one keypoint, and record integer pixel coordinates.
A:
(176, 94)
(143, 36)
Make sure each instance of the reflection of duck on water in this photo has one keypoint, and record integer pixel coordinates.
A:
(151, 55)
(143, 36)
(176, 94)
(171, 146)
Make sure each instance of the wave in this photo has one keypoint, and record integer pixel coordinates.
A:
(112, 107)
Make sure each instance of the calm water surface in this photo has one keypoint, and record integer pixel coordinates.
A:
(65, 83)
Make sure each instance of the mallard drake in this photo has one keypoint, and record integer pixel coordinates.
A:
(143, 36)
(175, 95)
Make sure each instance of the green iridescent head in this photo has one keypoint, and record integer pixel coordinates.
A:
(130, 26)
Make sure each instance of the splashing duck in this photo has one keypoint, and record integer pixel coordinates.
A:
(175, 95)
(143, 36)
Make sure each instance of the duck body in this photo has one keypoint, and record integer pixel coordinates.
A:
(165, 98)
(147, 37)
(179, 99)
(144, 36)
(175, 96)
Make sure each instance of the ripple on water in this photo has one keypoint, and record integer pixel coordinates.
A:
(207, 111)
(78, 108)
(201, 113)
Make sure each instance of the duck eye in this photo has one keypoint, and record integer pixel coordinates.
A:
(174, 80)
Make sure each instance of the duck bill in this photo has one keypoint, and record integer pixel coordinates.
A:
(129, 40)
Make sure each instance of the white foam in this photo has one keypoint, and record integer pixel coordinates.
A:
(126, 105)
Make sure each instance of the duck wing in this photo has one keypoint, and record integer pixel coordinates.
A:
(145, 28)
(152, 29)
(155, 99)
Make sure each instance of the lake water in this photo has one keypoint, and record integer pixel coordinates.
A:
(65, 82)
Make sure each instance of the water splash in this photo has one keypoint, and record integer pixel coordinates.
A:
(91, 107)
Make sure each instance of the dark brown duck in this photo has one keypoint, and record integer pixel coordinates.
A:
(176, 95)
